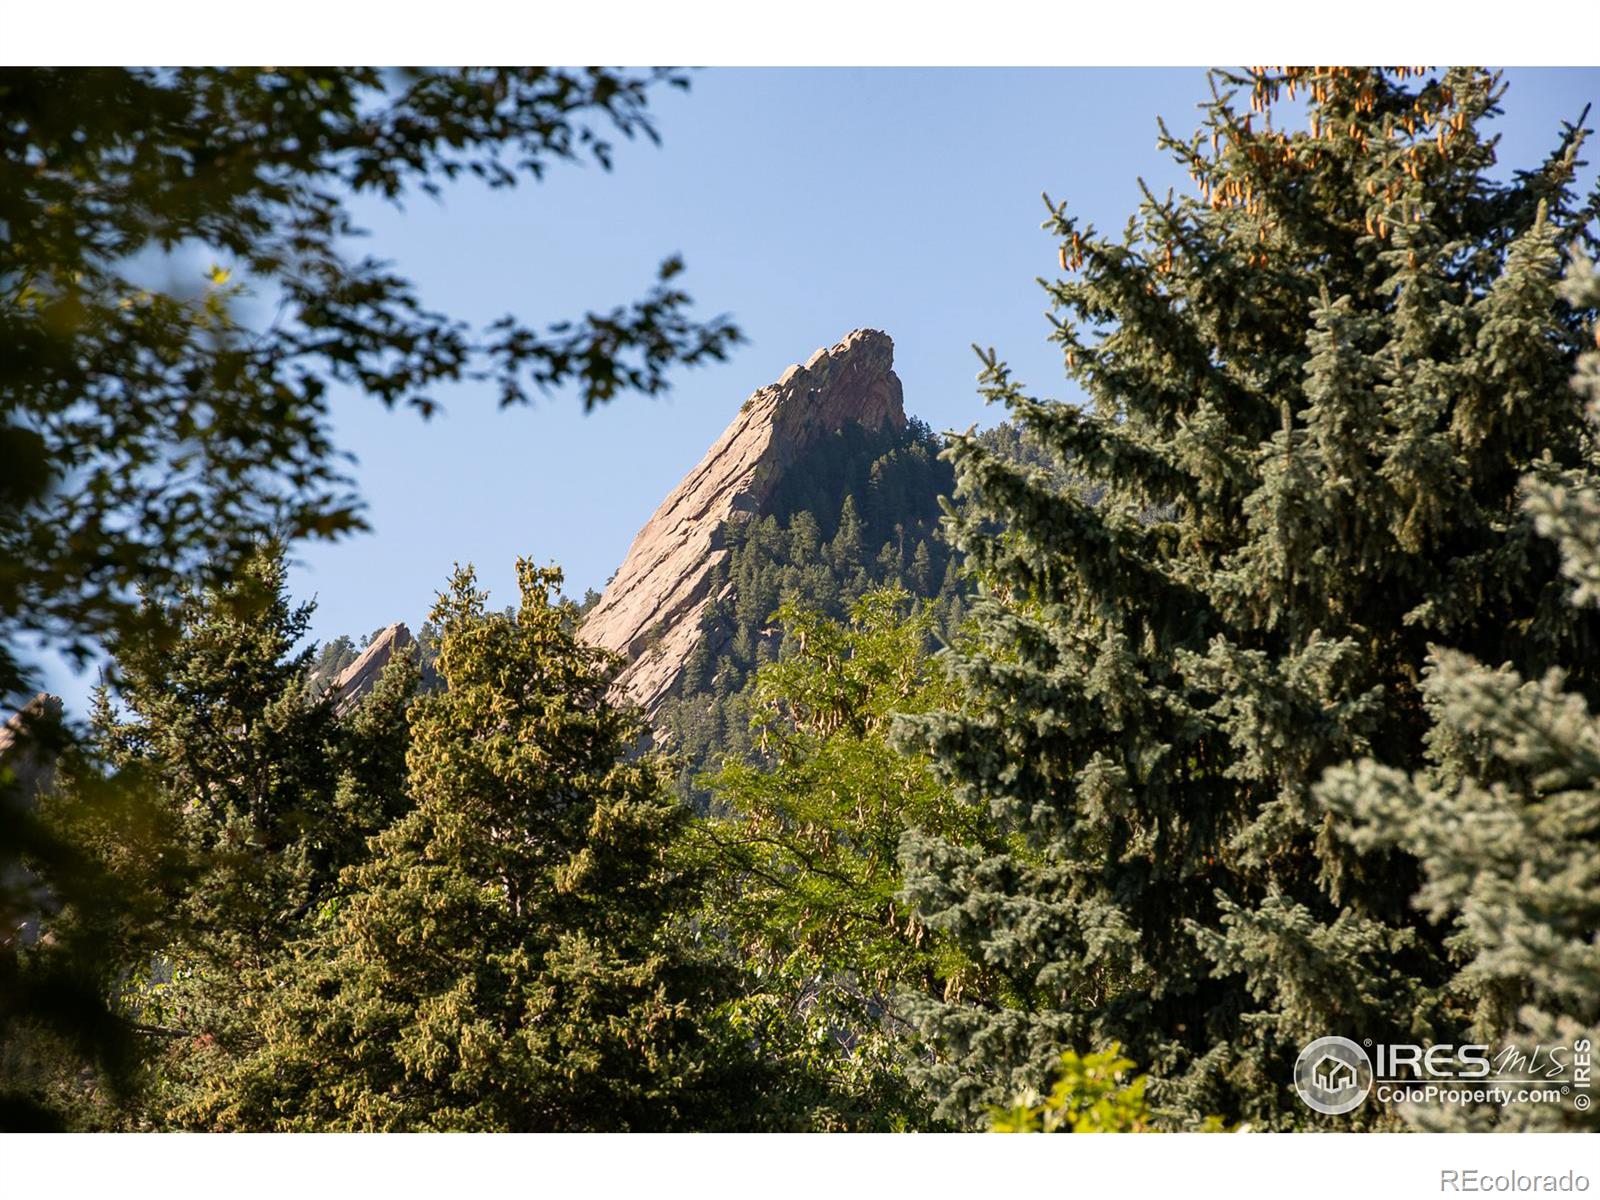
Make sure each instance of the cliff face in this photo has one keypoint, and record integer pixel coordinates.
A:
(361, 676)
(29, 740)
(651, 611)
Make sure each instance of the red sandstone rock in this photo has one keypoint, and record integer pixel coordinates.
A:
(651, 611)
(361, 676)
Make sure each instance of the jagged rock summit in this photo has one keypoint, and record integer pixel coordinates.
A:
(652, 609)
(361, 676)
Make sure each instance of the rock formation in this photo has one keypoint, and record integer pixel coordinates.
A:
(28, 743)
(651, 611)
(361, 676)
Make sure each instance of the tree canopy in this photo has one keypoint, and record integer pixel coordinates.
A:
(512, 955)
(151, 428)
(156, 429)
(1316, 385)
(1250, 703)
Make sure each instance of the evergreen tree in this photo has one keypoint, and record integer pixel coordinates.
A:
(507, 959)
(805, 539)
(220, 715)
(1505, 818)
(331, 660)
(922, 568)
(1316, 384)
(775, 560)
(368, 757)
(204, 819)
(149, 436)
(260, 785)
(844, 551)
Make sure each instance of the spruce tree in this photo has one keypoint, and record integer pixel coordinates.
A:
(1505, 817)
(508, 958)
(1316, 382)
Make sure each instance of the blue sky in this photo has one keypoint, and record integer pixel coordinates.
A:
(806, 203)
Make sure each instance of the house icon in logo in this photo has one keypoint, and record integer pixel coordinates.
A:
(1333, 1075)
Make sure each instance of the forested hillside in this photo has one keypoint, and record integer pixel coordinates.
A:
(865, 517)
(1082, 774)
(861, 512)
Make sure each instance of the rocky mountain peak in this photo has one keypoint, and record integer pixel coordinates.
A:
(29, 740)
(357, 680)
(652, 610)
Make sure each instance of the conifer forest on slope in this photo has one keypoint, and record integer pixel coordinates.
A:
(1068, 776)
